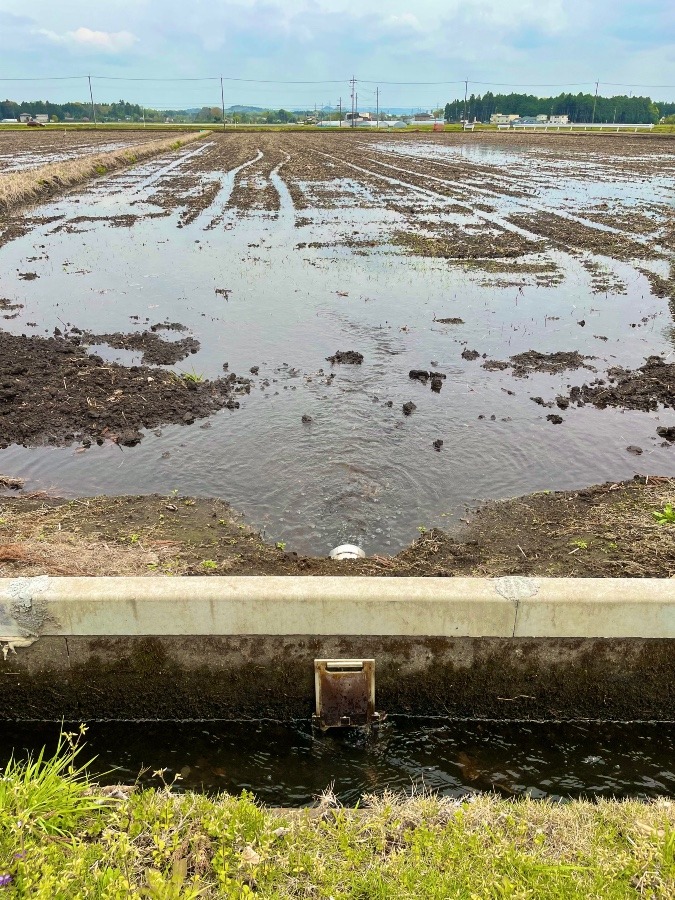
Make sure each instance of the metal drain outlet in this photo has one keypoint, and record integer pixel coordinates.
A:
(345, 693)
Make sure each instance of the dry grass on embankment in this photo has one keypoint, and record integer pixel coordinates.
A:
(18, 188)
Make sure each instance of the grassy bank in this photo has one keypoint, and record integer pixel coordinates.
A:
(61, 838)
(611, 530)
(28, 185)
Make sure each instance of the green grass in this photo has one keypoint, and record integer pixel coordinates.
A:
(62, 838)
(665, 516)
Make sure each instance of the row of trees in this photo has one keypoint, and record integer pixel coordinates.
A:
(122, 111)
(579, 107)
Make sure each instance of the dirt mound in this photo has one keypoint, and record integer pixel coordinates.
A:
(470, 354)
(437, 378)
(53, 392)
(646, 388)
(347, 357)
(534, 361)
(156, 351)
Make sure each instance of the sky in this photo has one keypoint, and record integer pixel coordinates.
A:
(533, 46)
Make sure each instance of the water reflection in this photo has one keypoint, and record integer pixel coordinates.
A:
(289, 764)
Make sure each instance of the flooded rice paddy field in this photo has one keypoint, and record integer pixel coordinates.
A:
(288, 764)
(20, 150)
(501, 267)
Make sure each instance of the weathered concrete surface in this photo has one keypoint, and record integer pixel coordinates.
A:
(253, 677)
(462, 607)
(273, 605)
(244, 647)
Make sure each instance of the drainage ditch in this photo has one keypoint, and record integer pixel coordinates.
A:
(290, 764)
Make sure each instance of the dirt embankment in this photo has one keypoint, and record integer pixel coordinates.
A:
(26, 186)
(53, 392)
(605, 531)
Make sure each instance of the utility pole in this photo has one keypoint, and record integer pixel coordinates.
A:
(352, 82)
(466, 91)
(91, 95)
(340, 106)
(595, 100)
(222, 100)
(143, 111)
(377, 106)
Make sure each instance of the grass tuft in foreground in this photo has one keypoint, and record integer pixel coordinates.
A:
(63, 837)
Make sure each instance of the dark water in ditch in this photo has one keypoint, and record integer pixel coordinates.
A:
(289, 764)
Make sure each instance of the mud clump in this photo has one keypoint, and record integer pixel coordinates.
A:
(155, 350)
(438, 443)
(437, 378)
(470, 354)
(168, 326)
(551, 363)
(554, 419)
(53, 392)
(451, 321)
(346, 357)
(409, 408)
(646, 388)
(667, 433)
(495, 365)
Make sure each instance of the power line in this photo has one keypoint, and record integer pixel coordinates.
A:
(224, 78)
(376, 82)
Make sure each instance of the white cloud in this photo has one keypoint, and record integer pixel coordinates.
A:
(85, 38)
(405, 22)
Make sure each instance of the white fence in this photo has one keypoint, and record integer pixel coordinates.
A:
(576, 126)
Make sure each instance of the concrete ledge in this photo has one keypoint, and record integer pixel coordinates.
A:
(447, 607)
(212, 647)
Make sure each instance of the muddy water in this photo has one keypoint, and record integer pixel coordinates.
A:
(289, 765)
(360, 471)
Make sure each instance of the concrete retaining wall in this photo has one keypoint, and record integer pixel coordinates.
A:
(243, 647)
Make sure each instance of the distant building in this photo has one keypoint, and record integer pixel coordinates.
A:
(424, 117)
(559, 120)
(9, 121)
(25, 117)
(41, 118)
(502, 119)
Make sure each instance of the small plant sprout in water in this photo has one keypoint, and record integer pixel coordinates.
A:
(192, 377)
(580, 545)
(281, 545)
(422, 529)
(665, 516)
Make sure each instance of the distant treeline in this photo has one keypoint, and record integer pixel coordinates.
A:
(121, 111)
(579, 107)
